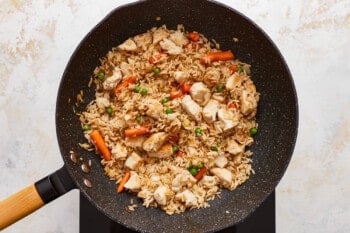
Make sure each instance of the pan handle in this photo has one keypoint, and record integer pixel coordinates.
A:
(34, 196)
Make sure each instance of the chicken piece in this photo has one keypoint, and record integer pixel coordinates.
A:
(180, 76)
(173, 123)
(233, 147)
(208, 181)
(135, 142)
(200, 93)
(211, 77)
(248, 102)
(221, 161)
(160, 34)
(155, 108)
(143, 40)
(164, 152)
(210, 110)
(233, 81)
(133, 161)
(219, 97)
(227, 117)
(160, 195)
(179, 38)
(183, 178)
(102, 102)
(128, 45)
(119, 151)
(134, 182)
(225, 176)
(192, 108)
(112, 81)
(154, 142)
(170, 47)
(187, 197)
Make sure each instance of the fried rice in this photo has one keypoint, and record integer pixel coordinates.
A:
(177, 124)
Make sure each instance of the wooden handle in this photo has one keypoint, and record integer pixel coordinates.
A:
(19, 205)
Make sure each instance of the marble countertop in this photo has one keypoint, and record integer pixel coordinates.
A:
(37, 39)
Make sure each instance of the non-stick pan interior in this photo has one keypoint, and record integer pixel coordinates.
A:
(277, 112)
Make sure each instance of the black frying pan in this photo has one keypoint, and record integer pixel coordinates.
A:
(277, 118)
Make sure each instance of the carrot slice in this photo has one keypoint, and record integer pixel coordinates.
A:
(200, 173)
(217, 56)
(186, 87)
(156, 58)
(233, 68)
(123, 181)
(100, 144)
(231, 105)
(136, 131)
(193, 36)
(176, 94)
(179, 153)
(125, 84)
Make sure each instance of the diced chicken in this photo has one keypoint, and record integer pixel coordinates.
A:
(211, 77)
(154, 142)
(233, 147)
(187, 197)
(133, 161)
(164, 152)
(219, 126)
(191, 107)
(160, 195)
(159, 34)
(135, 142)
(128, 45)
(181, 179)
(170, 47)
(174, 124)
(134, 182)
(227, 117)
(248, 102)
(102, 102)
(210, 110)
(112, 81)
(233, 81)
(200, 93)
(119, 151)
(155, 108)
(143, 40)
(225, 176)
(179, 38)
(219, 97)
(208, 181)
(180, 76)
(221, 161)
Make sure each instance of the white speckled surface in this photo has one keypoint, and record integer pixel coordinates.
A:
(37, 39)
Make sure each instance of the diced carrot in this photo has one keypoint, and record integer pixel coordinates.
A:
(233, 68)
(200, 173)
(231, 105)
(123, 181)
(98, 140)
(156, 58)
(176, 94)
(134, 132)
(125, 84)
(217, 56)
(186, 87)
(173, 138)
(179, 153)
(193, 36)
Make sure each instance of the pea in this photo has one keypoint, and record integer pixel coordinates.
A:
(86, 127)
(109, 110)
(165, 100)
(175, 148)
(139, 119)
(193, 171)
(219, 88)
(144, 91)
(137, 89)
(253, 131)
(101, 76)
(168, 111)
(240, 69)
(156, 70)
(200, 165)
(214, 148)
(198, 131)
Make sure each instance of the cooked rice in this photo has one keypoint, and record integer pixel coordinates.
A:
(221, 148)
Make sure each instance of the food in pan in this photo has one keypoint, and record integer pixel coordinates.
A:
(172, 118)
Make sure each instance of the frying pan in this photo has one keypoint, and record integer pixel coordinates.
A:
(277, 118)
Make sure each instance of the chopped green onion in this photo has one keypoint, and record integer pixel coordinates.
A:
(198, 131)
(137, 89)
(175, 148)
(253, 131)
(168, 111)
(144, 91)
(101, 76)
(219, 88)
(240, 69)
(156, 70)
(165, 100)
(109, 110)
(86, 127)
(139, 119)
(214, 148)
(193, 171)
